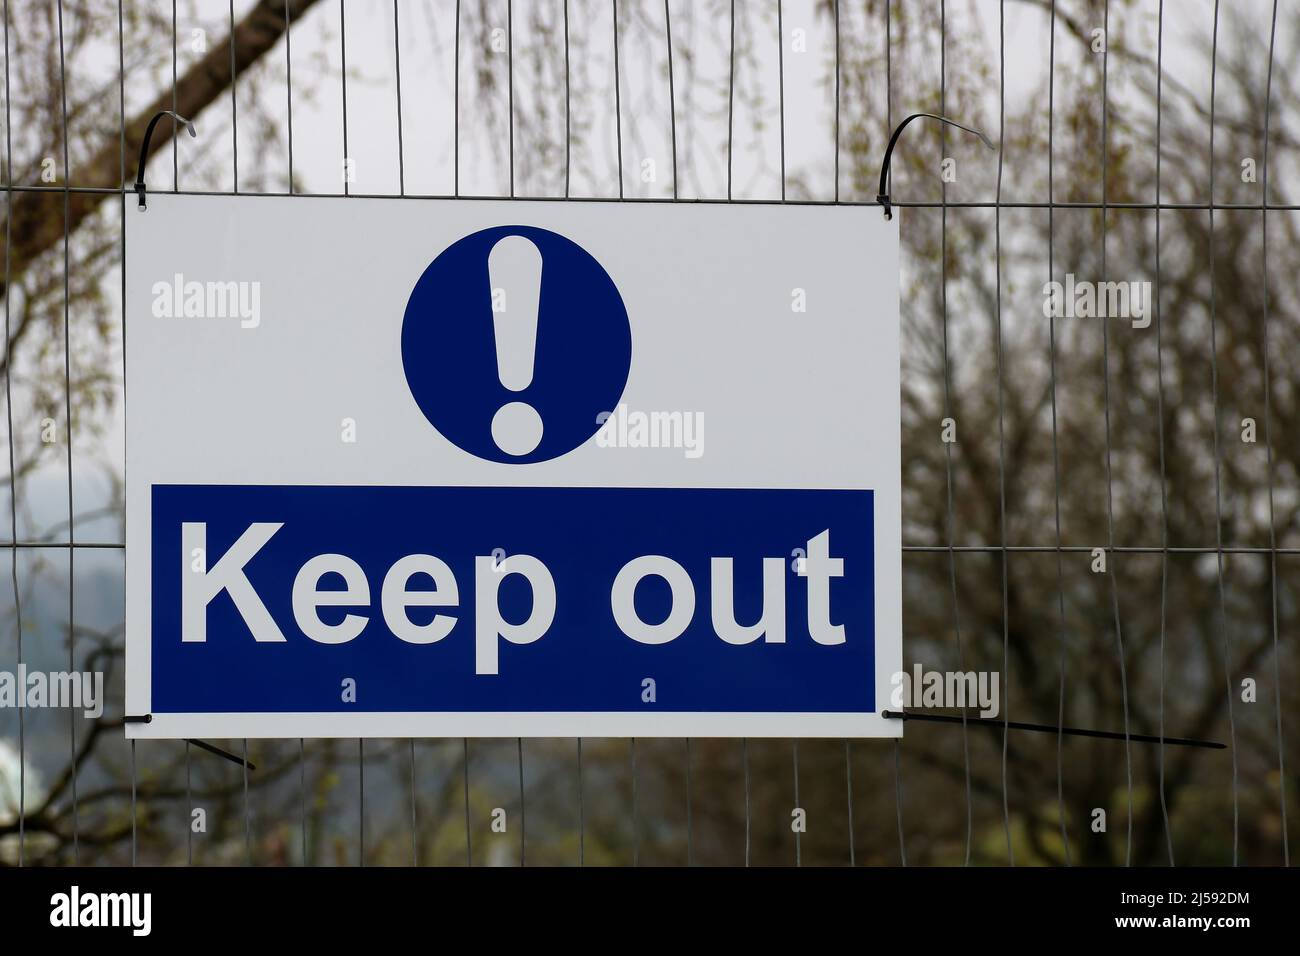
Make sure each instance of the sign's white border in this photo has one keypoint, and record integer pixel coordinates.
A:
(169, 213)
(519, 724)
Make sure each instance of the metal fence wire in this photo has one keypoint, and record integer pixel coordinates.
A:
(1102, 511)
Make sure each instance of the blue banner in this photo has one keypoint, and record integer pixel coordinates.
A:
(431, 599)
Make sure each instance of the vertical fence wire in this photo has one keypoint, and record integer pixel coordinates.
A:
(288, 89)
(898, 801)
(523, 819)
(1218, 454)
(618, 105)
(189, 809)
(348, 167)
(1268, 444)
(568, 129)
(397, 74)
(469, 840)
(950, 510)
(361, 800)
(510, 88)
(302, 795)
(455, 107)
(744, 760)
(672, 96)
(67, 409)
(248, 820)
(780, 72)
(175, 109)
(582, 813)
(135, 816)
(798, 845)
(234, 106)
(636, 829)
(1056, 445)
(690, 810)
(121, 158)
(848, 787)
(1160, 435)
(13, 473)
(835, 12)
(731, 95)
(1002, 447)
(1105, 371)
(415, 831)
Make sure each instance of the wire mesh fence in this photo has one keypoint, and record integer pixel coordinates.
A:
(1101, 509)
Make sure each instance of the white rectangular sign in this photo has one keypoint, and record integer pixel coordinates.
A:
(529, 468)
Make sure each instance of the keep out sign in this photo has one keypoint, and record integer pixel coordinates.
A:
(483, 468)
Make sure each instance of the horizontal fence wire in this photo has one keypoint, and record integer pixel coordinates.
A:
(1202, 206)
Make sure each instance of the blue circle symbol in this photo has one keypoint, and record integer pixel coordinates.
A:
(576, 346)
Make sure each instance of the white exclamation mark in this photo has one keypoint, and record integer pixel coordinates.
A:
(515, 277)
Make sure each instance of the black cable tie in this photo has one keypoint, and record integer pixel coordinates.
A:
(138, 719)
(1049, 729)
(221, 753)
(144, 147)
(883, 197)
